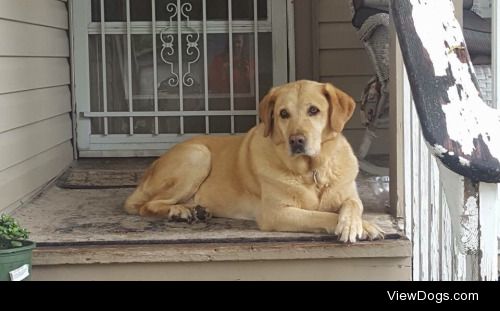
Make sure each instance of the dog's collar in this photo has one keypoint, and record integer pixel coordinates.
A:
(315, 176)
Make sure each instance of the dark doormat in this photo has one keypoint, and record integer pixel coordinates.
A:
(104, 173)
(99, 179)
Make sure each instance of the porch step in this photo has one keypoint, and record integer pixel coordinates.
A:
(377, 260)
(83, 234)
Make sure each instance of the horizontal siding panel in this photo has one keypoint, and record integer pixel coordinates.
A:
(20, 74)
(353, 85)
(50, 13)
(338, 36)
(35, 99)
(349, 62)
(20, 39)
(355, 121)
(334, 11)
(22, 108)
(380, 145)
(25, 142)
(27, 176)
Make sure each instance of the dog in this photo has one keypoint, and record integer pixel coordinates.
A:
(294, 171)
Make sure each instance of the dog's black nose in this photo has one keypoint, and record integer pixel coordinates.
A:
(297, 143)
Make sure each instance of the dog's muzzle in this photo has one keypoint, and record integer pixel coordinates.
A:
(297, 144)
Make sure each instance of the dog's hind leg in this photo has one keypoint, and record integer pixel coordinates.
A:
(171, 183)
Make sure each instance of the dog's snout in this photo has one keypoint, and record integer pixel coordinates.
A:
(297, 140)
(297, 143)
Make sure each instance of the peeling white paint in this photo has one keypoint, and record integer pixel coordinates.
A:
(462, 121)
(466, 108)
(431, 31)
(464, 161)
(463, 212)
(439, 150)
(470, 229)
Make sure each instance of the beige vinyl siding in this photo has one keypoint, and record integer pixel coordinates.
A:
(342, 60)
(35, 98)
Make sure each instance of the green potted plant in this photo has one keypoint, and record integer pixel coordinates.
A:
(15, 251)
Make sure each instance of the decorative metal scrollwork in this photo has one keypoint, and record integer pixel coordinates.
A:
(169, 44)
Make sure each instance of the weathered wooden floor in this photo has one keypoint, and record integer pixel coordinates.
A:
(95, 217)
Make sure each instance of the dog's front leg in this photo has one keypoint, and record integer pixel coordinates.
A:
(351, 226)
(293, 219)
(347, 225)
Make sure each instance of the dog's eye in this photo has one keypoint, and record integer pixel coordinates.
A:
(313, 110)
(284, 114)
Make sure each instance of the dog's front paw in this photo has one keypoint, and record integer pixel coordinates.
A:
(350, 226)
(179, 213)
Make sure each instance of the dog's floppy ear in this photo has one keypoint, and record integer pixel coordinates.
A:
(341, 107)
(266, 110)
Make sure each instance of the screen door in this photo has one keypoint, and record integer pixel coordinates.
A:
(151, 73)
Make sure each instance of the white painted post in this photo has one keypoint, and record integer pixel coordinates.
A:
(81, 13)
(488, 225)
(473, 209)
(463, 207)
(495, 50)
(256, 56)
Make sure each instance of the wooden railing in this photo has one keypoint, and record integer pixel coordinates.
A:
(461, 131)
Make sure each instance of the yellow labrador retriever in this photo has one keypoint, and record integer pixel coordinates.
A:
(295, 171)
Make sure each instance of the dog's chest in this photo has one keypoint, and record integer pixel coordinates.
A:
(313, 193)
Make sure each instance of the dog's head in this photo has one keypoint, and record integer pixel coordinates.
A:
(302, 115)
